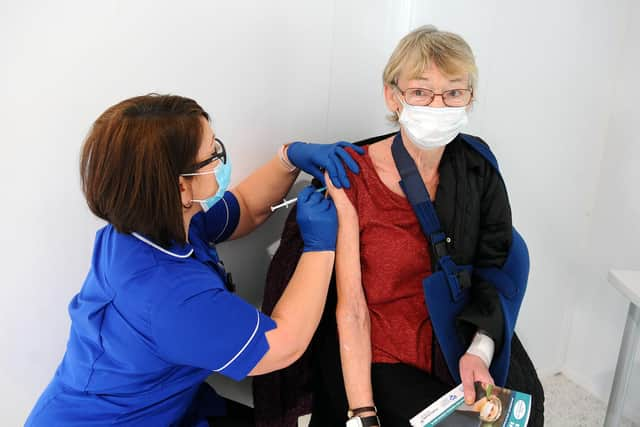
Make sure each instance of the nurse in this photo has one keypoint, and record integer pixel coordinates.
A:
(156, 314)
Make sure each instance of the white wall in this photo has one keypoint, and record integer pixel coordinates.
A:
(316, 66)
(614, 237)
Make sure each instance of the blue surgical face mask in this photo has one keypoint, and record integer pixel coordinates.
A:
(223, 176)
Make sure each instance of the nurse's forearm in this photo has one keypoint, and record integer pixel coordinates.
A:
(264, 187)
(298, 311)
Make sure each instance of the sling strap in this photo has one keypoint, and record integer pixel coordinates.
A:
(458, 277)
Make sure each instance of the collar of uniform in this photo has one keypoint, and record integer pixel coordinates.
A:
(176, 250)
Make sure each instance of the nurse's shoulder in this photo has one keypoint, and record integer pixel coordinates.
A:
(132, 264)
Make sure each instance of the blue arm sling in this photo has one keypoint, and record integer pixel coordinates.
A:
(446, 290)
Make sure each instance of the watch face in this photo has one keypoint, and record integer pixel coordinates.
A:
(354, 422)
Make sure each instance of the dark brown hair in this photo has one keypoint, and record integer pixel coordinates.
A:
(131, 161)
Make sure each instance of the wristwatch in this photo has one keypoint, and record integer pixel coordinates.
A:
(369, 421)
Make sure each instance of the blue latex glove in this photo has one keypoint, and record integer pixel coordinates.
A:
(318, 220)
(316, 158)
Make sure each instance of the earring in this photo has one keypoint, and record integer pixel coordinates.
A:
(189, 206)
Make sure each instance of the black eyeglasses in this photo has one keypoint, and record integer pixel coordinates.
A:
(219, 154)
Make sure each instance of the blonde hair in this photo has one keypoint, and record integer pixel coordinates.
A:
(425, 46)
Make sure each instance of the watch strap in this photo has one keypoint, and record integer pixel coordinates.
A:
(353, 412)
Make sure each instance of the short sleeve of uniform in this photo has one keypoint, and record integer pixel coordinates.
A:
(210, 328)
(220, 221)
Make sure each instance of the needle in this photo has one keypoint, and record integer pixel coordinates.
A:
(286, 203)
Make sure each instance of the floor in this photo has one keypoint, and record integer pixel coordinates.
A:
(569, 405)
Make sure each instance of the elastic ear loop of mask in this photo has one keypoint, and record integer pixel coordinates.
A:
(198, 174)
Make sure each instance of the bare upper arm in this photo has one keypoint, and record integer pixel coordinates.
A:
(351, 297)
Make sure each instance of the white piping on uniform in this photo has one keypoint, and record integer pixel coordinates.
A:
(160, 248)
(243, 347)
(226, 222)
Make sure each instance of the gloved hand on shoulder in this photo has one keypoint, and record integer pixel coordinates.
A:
(315, 158)
(317, 220)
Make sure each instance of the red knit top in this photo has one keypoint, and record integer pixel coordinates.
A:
(394, 258)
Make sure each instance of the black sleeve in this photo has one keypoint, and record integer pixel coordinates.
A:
(495, 235)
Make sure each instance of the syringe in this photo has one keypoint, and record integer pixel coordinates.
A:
(286, 203)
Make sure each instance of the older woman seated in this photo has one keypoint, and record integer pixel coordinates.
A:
(391, 359)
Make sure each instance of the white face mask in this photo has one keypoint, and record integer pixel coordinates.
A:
(430, 127)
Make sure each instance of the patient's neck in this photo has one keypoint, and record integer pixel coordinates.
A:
(427, 161)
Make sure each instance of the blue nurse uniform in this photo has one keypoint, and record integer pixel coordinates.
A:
(147, 328)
